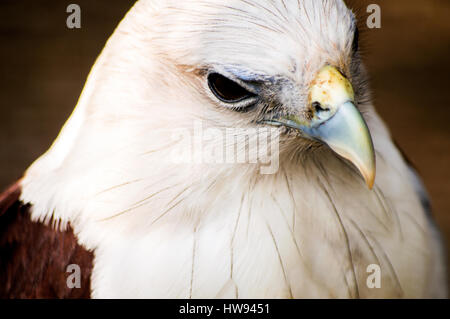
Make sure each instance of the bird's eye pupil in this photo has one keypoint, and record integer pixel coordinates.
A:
(227, 90)
(355, 45)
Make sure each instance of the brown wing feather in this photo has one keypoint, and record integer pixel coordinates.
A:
(34, 257)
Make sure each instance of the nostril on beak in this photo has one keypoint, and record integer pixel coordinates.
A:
(321, 112)
(318, 108)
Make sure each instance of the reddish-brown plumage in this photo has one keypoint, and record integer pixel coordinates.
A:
(34, 257)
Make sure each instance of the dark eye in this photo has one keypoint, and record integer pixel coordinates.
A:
(355, 45)
(227, 90)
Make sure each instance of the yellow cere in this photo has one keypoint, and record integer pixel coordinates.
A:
(331, 89)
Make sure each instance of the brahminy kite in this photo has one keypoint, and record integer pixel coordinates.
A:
(139, 195)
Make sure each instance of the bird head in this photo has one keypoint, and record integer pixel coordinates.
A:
(294, 65)
(291, 66)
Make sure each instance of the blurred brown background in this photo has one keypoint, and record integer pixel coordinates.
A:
(44, 65)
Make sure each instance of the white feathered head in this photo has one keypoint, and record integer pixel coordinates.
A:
(287, 68)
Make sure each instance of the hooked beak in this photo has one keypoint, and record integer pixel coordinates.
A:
(337, 122)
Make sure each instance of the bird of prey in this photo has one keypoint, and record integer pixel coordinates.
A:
(342, 214)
